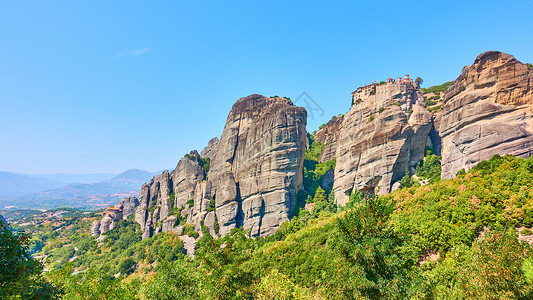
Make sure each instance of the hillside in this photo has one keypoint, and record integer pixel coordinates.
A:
(439, 240)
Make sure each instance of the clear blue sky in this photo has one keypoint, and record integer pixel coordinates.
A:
(105, 86)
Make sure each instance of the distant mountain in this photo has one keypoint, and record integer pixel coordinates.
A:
(83, 195)
(78, 178)
(18, 184)
(134, 175)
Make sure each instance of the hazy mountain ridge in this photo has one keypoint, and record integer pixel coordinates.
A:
(78, 178)
(83, 195)
(17, 184)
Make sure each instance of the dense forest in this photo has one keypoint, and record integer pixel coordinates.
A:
(459, 238)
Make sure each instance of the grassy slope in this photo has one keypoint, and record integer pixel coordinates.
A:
(450, 239)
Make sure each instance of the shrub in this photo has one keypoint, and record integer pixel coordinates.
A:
(212, 205)
(314, 150)
(173, 281)
(216, 225)
(373, 91)
(430, 167)
(495, 268)
(371, 246)
(437, 88)
(204, 163)
(435, 109)
(20, 274)
(381, 109)
(406, 181)
(126, 265)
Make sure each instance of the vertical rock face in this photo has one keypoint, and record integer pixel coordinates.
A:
(128, 206)
(165, 200)
(384, 133)
(256, 168)
(208, 151)
(95, 228)
(329, 136)
(487, 111)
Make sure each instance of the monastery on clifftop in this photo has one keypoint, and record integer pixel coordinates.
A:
(384, 89)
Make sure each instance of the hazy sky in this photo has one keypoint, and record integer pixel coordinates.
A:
(105, 86)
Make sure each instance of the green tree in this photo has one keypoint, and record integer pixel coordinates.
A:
(320, 195)
(173, 280)
(20, 274)
(323, 204)
(370, 244)
(220, 265)
(93, 284)
(126, 265)
(494, 271)
(406, 180)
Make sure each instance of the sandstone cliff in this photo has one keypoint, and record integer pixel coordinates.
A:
(328, 135)
(249, 177)
(384, 133)
(257, 166)
(208, 151)
(165, 199)
(487, 111)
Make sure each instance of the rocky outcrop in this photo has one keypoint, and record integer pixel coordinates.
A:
(189, 244)
(257, 167)
(487, 111)
(113, 215)
(106, 224)
(128, 205)
(95, 228)
(328, 135)
(169, 198)
(384, 133)
(255, 170)
(208, 151)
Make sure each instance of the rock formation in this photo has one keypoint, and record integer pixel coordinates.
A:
(95, 228)
(128, 205)
(255, 170)
(257, 167)
(487, 110)
(208, 151)
(328, 135)
(113, 215)
(166, 198)
(249, 176)
(384, 133)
